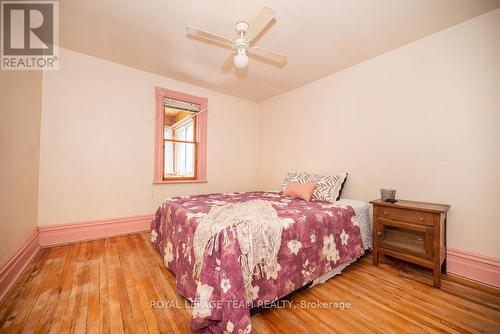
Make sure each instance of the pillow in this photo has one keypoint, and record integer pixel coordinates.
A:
(300, 190)
(328, 187)
(342, 186)
(299, 177)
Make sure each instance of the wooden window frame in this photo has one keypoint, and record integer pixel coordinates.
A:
(200, 133)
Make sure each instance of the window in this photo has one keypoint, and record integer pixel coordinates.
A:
(180, 137)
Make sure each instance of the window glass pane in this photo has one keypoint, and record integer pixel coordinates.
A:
(169, 133)
(169, 159)
(185, 130)
(190, 131)
(178, 124)
(179, 159)
(184, 159)
(180, 133)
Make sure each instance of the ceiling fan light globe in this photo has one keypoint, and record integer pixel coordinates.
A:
(240, 60)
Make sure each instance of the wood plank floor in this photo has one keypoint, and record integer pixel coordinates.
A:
(106, 286)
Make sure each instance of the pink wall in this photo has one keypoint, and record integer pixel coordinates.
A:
(97, 156)
(20, 100)
(423, 119)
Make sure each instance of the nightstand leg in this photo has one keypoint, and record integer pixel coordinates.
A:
(437, 276)
(375, 242)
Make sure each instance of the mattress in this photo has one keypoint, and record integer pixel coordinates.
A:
(362, 210)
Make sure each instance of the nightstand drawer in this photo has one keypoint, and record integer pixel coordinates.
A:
(410, 216)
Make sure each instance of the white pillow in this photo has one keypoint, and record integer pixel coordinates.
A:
(328, 186)
(296, 177)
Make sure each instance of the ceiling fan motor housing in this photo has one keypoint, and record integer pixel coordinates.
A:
(241, 43)
(241, 27)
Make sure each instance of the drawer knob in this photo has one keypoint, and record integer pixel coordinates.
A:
(421, 219)
(385, 213)
(379, 233)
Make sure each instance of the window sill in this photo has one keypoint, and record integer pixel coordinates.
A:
(179, 181)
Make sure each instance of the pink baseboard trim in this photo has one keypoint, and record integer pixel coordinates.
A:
(51, 235)
(17, 261)
(477, 267)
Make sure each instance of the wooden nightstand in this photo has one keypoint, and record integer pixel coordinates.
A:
(411, 231)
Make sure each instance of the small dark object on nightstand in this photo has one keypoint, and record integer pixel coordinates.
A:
(391, 200)
(387, 194)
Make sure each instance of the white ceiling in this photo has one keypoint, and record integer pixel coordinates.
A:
(319, 36)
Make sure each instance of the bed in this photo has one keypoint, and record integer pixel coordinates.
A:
(225, 277)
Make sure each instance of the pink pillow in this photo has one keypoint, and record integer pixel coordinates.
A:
(300, 190)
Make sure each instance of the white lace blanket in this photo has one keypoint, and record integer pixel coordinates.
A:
(257, 227)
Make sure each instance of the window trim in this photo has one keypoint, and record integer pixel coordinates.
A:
(201, 149)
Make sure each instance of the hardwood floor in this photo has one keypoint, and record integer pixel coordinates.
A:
(106, 286)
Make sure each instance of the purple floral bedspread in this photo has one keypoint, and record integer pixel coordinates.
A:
(322, 238)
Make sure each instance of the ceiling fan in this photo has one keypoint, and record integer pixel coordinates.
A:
(242, 46)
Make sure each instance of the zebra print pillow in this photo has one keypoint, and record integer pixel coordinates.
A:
(328, 187)
(299, 177)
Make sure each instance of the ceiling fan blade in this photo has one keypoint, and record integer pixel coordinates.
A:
(265, 16)
(208, 35)
(269, 55)
(228, 64)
